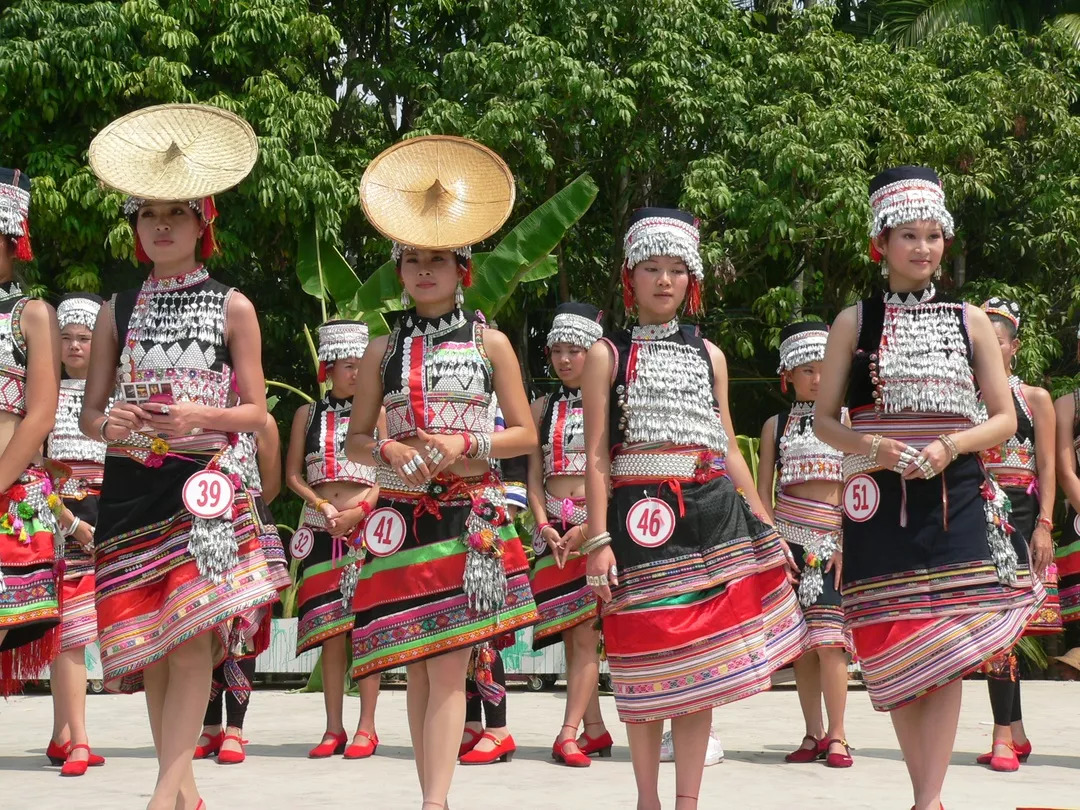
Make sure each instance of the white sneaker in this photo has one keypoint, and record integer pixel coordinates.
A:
(667, 748)
(713, 754)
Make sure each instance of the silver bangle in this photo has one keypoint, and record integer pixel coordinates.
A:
(483, 446)
(101, 430)
(595, 543)
(70, 530)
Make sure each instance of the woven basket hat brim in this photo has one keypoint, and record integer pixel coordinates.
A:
(437, 192)
(174, 152)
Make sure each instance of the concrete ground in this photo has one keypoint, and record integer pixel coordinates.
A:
(756, 733)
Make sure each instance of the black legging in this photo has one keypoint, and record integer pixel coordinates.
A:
(1003, 681)
(222, 691)
(495, 715)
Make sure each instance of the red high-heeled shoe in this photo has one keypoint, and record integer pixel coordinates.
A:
(365, 750)
(1023, 751)
(843, 760)
(329, 747)
(76, 767)
(575, 759)
(503, 751)
(57, 754)
(1005, 764)
(601, 746)
(231, 757)
(803, 755)
(211, 748)
(470, 744)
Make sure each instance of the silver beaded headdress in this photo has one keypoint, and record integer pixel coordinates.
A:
(577, 324)
(397, 249)
(341, 339)
(802, 343)
(15, 211)
(663, 232)
(80, 308)
(1009, 310)
(907, 194)
(133, 204)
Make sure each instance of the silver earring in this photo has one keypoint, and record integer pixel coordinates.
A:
(884, 269)
(459, 295)
(406, 302)
(937, 273)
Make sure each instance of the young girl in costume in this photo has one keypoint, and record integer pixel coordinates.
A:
(697, 594)
(338, 496)
(933, 585)
(806, 475)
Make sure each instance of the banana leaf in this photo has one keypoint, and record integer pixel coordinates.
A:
(748, 446)
(523, 256)
(325, 274)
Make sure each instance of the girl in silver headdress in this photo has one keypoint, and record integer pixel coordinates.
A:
(697, 604)
(933, 584)
(31, 543)
(76, 314)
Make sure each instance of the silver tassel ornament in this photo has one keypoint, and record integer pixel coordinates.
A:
(1002, 552)
(350, 576)
(213, 545)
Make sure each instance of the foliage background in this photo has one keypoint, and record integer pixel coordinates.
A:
(768, 123)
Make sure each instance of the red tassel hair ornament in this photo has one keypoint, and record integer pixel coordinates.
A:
(875, 254)
(694, 305)
(208, 211)
(140, 252)
(23, 251)
(466, 275)
(783, 382)
(627, 289)
(324, 370)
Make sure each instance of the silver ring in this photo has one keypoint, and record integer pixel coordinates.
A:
(598, 581)
(165, 410)
(614, 570)
(409, 467)
(436, 456)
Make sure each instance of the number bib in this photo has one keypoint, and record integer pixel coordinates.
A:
(303, 541)
(384, 531)
(208, 494)
(539, 544)
(1076, 525)
(861, 498)
(650, 522)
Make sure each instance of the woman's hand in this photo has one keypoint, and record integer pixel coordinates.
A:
(790, 568)
(441, 451)
(936, 456)
(1042, 550)
(174, 419)
(601, 563)
(564, 544)
(84, 536)
(407, 463)
(328, 511)
(836, 565)
(123, 420)
(888, 455)
(345, 522)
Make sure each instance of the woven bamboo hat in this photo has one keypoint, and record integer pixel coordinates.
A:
(174, 152)
(437, 192)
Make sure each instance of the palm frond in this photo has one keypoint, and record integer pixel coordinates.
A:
(1070, 24)
(908, 22)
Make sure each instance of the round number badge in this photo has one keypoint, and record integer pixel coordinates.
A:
(539, 544)
(650, 522)
(384, 531)
(208, 494)
(1076, 525)
(303, 541)
(861, 498)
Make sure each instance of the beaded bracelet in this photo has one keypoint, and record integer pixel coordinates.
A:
(1047, 522)
(482, 448)
(595, 543)
(377, 452)
(541, 526)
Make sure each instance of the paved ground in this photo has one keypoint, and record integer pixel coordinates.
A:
(756, 733)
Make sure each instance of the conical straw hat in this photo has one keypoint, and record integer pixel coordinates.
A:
(174, 152)
(437, 192)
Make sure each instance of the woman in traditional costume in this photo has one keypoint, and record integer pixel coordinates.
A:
(807, 477)
(699, 610)
(444, 567)
(181, 577)
(933, 585)
(1024, 467)
(567, 605)
(31, 543)
(258, 456)
(76, 314)
(338, 495)
(1067, 448)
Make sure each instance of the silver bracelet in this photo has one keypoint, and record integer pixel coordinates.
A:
(595, 543)
(70, 530)
(483, 446)
(101, 430)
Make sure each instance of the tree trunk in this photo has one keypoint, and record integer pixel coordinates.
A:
(960, 268)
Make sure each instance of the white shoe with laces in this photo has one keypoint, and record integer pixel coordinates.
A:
(714, 753)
